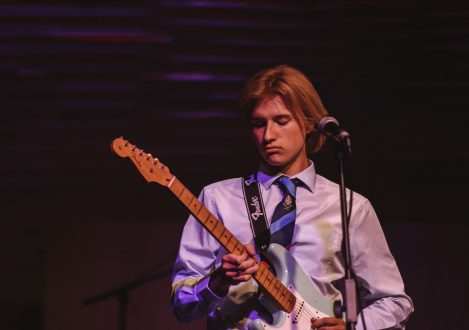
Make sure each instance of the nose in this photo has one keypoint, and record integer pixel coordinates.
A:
(269, 133)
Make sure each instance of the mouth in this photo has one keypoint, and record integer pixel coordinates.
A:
(272, 149)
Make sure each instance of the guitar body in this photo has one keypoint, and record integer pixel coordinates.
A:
(289, 272)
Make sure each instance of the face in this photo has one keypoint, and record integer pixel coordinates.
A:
(278, 136)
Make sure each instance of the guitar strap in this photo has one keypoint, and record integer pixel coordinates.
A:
(256, 212)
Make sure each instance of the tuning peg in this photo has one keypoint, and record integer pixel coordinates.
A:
(148, 157)
(140, 152)
(126, 143)
(133, 148)
(155, 160)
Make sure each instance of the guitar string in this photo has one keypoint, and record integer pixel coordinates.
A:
(306, 311)
(306, 322)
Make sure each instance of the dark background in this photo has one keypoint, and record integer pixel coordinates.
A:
(74, 75)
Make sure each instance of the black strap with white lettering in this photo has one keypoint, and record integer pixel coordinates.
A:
(256, 212)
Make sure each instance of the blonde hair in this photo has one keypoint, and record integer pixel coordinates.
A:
(296, 91)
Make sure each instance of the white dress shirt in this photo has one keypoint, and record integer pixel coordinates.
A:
(316, 245)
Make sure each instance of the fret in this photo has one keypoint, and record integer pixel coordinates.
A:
(275, 292)
(186, 197)
(281, 298)
(203, 215)
(217, 231)
(283, 295)
(223, 237)
(291, 301)
(286, 298)
(195, 206)
(234, 243)
(211, 223)
(176, 188)
(269, 282)
(183, 196)
(278, 290)
(181, 193)
(265, 282)
(226, 239)
(260, 276)
(280, 293)
(274, 289)
(237, 248)
(189, 204)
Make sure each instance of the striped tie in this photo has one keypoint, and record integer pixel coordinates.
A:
(283, 220)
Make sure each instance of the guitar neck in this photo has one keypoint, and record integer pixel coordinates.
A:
(271, 286)
(207, 219)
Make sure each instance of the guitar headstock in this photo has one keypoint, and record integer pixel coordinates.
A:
(151, 168)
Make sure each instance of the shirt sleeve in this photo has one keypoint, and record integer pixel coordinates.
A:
(387, 306)
(191, 297)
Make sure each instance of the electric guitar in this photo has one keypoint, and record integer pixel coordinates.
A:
(291, 297)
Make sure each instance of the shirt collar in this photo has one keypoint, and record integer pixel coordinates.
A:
(307, 176)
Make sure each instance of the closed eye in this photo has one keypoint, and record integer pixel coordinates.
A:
(283, 119)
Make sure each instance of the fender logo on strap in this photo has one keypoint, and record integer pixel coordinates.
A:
(257, 213)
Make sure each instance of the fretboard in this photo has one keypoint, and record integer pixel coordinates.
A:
(270, 285)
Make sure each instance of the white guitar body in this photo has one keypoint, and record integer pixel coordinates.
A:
(310, 303)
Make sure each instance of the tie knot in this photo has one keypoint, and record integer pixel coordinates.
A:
(288, 185)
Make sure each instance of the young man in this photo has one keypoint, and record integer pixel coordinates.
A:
(283, 108)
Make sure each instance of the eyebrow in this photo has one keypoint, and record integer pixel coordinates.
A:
(288, 116)
(277, 117)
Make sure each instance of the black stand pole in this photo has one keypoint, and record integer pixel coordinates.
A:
(122, 293)
(350, 285)
(123, 298)
(350, 294)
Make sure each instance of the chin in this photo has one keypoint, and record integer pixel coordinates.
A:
(274, 161)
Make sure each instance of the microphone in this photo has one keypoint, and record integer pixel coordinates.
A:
(329, 126)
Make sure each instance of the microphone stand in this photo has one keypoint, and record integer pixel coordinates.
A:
(350, 294)
(122, 293)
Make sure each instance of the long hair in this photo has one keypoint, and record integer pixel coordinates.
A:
(296, 91)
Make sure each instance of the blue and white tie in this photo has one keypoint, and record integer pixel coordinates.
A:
(282, 224)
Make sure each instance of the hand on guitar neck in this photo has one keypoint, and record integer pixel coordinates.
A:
(233, 270)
